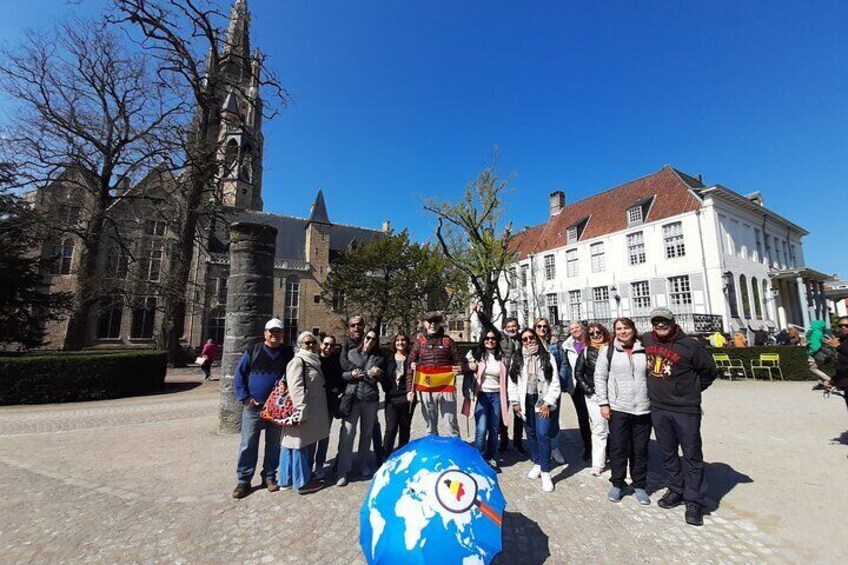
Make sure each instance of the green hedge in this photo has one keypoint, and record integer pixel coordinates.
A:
(793, 360)
(59, 377)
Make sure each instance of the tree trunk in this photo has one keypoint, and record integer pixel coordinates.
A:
(250, 304)
(76, 335)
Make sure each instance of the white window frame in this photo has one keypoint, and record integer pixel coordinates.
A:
(636, 248)
(634, 216)
(553, 307)
(640, 296)
(673, 241)
(571, 235)
(601, 302)
(599, 262)
(680, 294)
(572, 263)
(550, 267)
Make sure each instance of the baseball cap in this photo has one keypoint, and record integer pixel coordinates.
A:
(662, 312)
(274, 324)
(432, 316)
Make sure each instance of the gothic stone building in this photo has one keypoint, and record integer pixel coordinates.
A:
(133, 259)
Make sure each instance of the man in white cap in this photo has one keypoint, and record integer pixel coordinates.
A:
(257, 374)
(679, 370)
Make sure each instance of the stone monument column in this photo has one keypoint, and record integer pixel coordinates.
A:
(250, 303)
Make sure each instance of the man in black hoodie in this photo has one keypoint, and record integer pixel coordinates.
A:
(679, 369)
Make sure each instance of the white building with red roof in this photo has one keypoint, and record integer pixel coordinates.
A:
(718, 259)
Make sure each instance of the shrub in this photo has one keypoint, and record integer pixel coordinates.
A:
(36, 379)
(793, 360)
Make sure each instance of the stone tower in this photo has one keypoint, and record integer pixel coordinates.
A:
(240, 139)
(318, 239)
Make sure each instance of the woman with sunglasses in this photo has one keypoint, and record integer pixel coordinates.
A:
(622, 392)
(533, 390)
(584, 372)
(398, 407)
(485, 396)
(362, 385)
(306, 388)
(544, 331)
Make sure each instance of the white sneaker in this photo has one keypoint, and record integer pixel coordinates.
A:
(557, 456)
(535, 472)
(547, 483)
(342, 482)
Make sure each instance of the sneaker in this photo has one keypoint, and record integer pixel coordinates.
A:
(614, 494)
(670, 499)
(556, 454)
(312, 486)
(547, 483)
(342, 482)
(642, 496)
(596, 471)
(272, 485)
(535, 472)
(694, 514)
(241, 490)
(494, 465)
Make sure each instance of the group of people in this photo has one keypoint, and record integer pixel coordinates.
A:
(622, 386)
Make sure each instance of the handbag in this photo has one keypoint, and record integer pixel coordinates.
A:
(279, 408)
(200, 361)
(345, 405)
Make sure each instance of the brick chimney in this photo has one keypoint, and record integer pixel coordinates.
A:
(387, 227)
(556, 202)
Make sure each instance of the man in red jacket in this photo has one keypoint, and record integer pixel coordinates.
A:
(434, 364)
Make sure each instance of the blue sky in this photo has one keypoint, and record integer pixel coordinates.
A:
(397, 101)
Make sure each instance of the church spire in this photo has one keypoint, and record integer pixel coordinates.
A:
(318, 214)
(237, 44)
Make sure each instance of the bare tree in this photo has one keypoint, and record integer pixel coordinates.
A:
(470, 235)
(91, 115)
(195, 51)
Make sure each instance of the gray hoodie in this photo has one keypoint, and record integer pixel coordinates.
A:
(622, 384)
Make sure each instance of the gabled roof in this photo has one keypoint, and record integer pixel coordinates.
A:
(670, 189)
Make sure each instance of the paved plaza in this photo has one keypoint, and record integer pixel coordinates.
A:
(148, 480)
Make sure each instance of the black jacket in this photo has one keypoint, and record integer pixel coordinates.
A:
(678, 371)
(840, 379)
(395, 388)
(334, 384)
(584, 369)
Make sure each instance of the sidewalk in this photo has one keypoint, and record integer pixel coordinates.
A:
(148, 479)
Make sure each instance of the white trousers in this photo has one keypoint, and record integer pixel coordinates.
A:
(600, 432)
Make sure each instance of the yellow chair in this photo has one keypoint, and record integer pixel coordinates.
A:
(768, 362)
(728, 367)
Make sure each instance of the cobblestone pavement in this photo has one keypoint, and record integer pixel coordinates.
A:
(147, 480)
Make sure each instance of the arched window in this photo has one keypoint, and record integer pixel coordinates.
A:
(61, 257)
(744, 296)
(766, 294)
(730, 287)
(755, 292)
(290, 309)
(230, 156)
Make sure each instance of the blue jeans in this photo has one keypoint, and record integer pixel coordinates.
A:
(487, 415)
(296, 466)
(251, 428)
(538, 431)
(321, 453)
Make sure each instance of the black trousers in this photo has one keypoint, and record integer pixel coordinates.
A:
(675, 430)
(629, 436)
(579, 401)
(517, 432)
(398, 420)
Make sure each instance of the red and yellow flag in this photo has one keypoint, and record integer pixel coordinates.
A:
(434, 379)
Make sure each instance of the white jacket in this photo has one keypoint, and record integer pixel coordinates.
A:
(548, 391)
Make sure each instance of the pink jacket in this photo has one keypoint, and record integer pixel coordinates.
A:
(470, 404)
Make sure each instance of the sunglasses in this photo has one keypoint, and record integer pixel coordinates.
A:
(528, 338)
(355, 325)
(656, 322)
(842, 325)
(490, 338)
(542, 326)
(370, 337)
(310, 343)
(327, 345)
(596, 334)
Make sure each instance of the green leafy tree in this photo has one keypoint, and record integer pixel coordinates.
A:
(391, 279)
(24, 306)
(474, 240)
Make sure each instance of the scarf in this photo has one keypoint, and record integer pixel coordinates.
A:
(311, 358)
(578, 346)
(531, 361)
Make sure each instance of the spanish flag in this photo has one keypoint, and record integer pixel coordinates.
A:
(434, 379)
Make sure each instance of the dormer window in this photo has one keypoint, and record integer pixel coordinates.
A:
(571, 235)
(634, 216)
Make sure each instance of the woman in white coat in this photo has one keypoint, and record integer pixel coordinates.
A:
(306, 387)
(533, 389)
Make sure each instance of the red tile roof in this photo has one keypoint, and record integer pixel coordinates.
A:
(669, 190)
